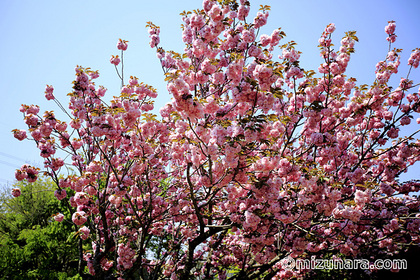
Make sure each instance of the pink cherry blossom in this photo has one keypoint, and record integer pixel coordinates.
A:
(19, 134)
(115, 60)
(59, 217)
(20, 175)
(16, 192)
(390, 28)
(81, 198)
(84, 232)
(122, 45)
(60, 194)
(49, 93)
(79, 218)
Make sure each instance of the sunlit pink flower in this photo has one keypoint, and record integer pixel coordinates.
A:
(84, 232)
(392, 38)
(27, 172)
(59, 217)
(154, 40)
(122, 45)
(115, 60)
(79, 218)
(81, 198)
(390, 28)
(49, 92)
(243, 12)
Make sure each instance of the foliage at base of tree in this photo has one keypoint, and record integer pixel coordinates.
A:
(32, 244)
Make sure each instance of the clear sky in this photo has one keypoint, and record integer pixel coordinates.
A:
(42, 42)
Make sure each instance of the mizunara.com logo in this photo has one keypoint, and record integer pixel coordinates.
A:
(313, 263)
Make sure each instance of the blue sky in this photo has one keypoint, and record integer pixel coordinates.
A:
(42, 42)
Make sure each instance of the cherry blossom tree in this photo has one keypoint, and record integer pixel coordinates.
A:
(254, 160)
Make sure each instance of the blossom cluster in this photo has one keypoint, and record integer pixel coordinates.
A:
(255, 159)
